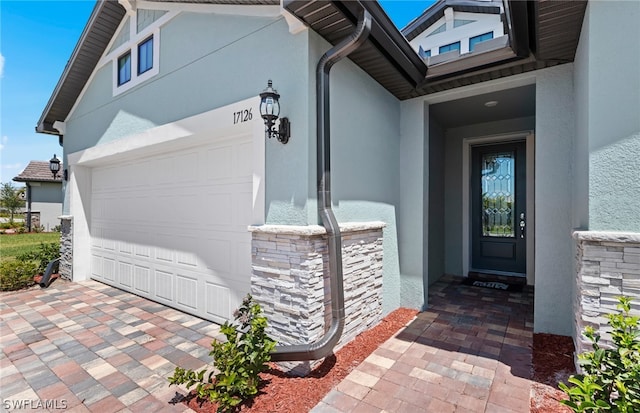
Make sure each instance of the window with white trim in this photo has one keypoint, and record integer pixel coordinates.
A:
(135, 60)
(145, 55)
(124, 68)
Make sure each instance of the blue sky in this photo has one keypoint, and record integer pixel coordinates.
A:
(36, 40)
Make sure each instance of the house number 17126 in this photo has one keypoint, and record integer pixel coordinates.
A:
(242, 116)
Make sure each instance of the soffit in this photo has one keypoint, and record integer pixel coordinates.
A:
(385, 55)
(546, 34)
(558, 28)
(104, 21)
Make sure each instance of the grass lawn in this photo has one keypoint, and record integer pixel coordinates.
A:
(15, 244)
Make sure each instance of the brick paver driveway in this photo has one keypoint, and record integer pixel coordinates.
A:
(86, 346)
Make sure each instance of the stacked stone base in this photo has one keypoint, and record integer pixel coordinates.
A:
(608, 266)
(290, 280)
(66, 247)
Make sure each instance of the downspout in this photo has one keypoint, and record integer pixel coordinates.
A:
(324, 347)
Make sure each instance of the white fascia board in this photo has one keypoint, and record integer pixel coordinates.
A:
(220, 123)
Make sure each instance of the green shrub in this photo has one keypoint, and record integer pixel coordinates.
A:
(238, 361)
(15, 275)
(611, 379)
(42, 255)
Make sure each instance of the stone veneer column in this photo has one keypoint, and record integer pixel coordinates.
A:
(66, 247)
(608, 266)
(290, 280)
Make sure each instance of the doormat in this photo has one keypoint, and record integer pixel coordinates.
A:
(496, 285)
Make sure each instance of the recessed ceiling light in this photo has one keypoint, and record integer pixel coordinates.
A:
(491, 103)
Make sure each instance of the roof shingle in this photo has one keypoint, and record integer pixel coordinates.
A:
(38, 171)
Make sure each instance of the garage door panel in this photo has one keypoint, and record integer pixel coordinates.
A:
(218, 300)
(96, 266)
(173, 227)
(242, 164)
(219, 164)
(185, 168)
(142, 279)
(220, 208)
(187, 291)
(164, 284)
(109, 269)
(216, 254)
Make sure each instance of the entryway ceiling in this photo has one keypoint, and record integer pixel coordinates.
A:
(512, 103)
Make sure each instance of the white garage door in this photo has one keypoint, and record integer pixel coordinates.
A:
(172, 227)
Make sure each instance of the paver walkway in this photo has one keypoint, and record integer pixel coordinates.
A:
(470, 352)
(88, 347)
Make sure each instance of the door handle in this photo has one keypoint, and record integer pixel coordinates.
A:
(522, 224)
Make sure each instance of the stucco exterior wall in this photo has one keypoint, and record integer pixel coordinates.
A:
(554, 246)
(365, 120)
(229, 60)
(413, 205)
(607, 81)
(46, 198)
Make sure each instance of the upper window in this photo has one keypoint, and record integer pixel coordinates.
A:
(124, 68)
(449, 47)
(145, 55)
(477, 39)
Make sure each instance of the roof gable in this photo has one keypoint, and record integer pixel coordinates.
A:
(97, 35)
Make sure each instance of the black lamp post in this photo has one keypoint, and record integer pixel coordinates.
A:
(54, 166)
(270, 111)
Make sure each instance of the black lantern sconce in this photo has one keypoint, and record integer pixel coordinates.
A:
(54, 166)
(270, 110)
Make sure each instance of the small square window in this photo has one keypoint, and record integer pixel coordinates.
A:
(124, 68)
(145, 55)
(449, 47)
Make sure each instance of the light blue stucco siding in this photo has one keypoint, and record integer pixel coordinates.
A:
(607, 82)
(365, 120)
(554, 247)
(209, 61)
(414, 187)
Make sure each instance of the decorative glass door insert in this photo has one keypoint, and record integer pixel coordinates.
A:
(497, 183)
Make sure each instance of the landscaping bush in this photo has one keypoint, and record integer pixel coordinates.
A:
(15, 274)
(611, 382)
(42, 255)
(238, 361)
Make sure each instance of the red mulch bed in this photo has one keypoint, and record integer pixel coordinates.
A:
(282, 393)
(552, 363)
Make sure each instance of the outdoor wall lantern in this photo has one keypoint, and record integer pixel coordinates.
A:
(54, 166)
(270, 110)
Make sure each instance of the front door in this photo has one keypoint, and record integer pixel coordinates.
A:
(498, 208)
